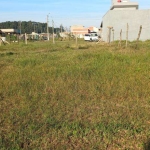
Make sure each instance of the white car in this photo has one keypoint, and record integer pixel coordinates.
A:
(87, 37)
(91, 37)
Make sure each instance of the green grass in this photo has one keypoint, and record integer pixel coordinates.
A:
(63, 96)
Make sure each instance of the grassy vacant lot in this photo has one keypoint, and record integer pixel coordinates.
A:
(60, 96)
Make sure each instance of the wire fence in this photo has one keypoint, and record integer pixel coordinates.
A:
(115, 34)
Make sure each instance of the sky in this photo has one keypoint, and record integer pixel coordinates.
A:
(66, 12)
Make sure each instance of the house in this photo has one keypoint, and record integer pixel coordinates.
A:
(125, 13)
(10, 31)
(80, 30)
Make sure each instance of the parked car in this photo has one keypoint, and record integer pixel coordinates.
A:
(87, 37)
(44, 38)
(92, 36)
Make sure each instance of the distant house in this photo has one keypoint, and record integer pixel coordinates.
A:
(10, 31)
(5, 32)
(93, 29)
(33, 36)
(80, 30)
(121, 13)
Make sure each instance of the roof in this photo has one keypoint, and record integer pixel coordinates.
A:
(10, 30)
(124, 5)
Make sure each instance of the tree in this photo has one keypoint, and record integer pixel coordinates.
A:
(28, 26)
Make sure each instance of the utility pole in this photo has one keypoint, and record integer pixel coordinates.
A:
(41, 29)
(61, 28)
(20, 27)
(47, 27)
(53, 31)
(34, 27)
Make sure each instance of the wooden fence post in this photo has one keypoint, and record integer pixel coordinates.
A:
(113, 34)
(9, 38)
(76, 40)
(138, 36)
(119, 44)
(25, 38)
(127, 35)
(18, 38)
(109, 34)
(0, 41)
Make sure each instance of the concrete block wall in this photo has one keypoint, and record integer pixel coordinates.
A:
(118, 19)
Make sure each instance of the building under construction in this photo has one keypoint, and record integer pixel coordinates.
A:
(125, 17)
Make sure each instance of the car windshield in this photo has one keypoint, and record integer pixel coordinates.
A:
(93, 34)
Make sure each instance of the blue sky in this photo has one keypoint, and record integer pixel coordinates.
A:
(65, 12)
